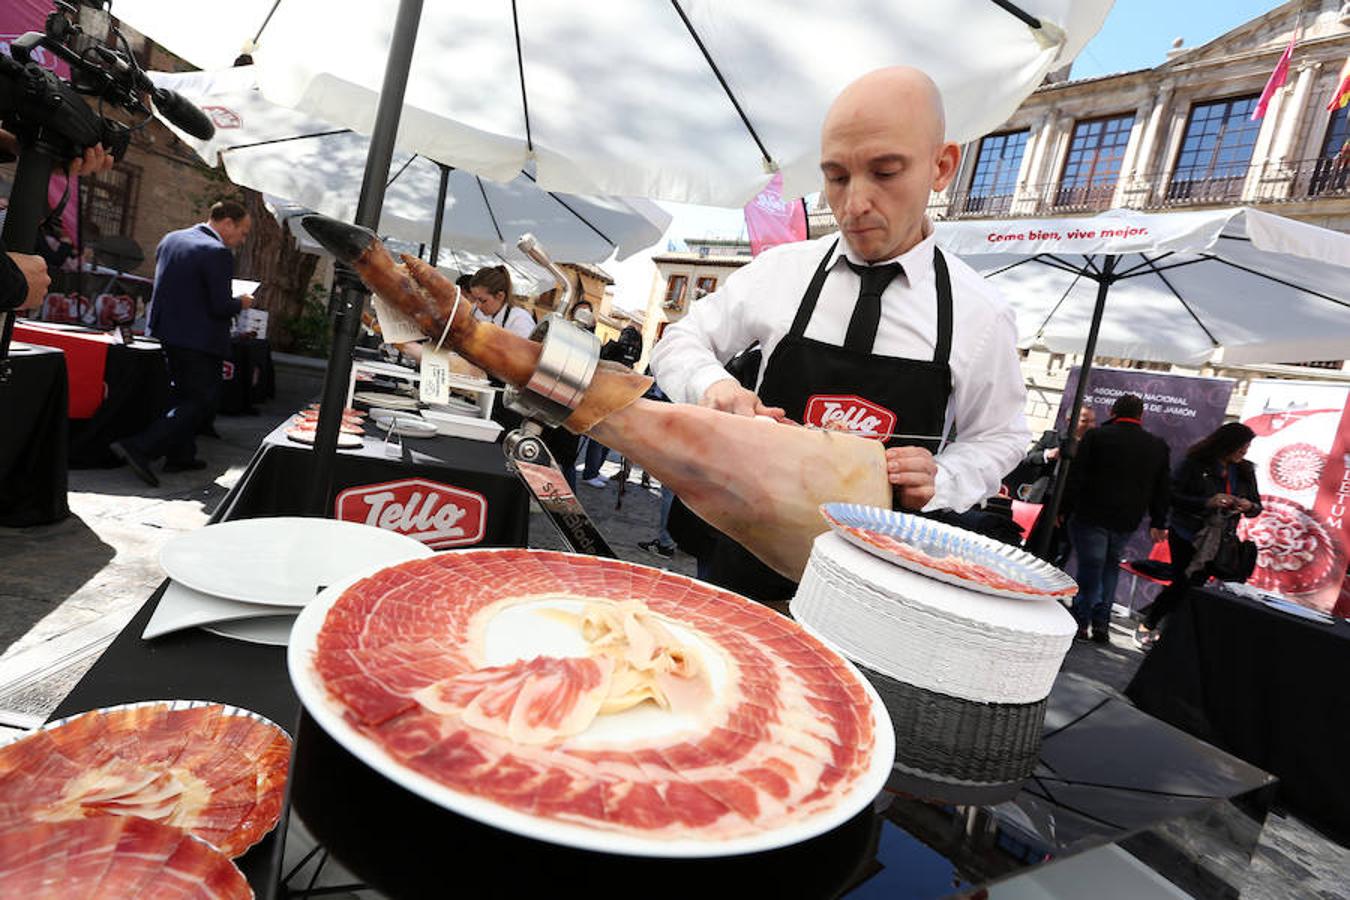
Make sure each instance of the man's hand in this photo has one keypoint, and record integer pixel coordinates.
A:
(94, 161)
(1221, 501)
(1242, 504)
(34, 269)
(728, 396)
(1051, 454)
(1157, 535)
(913, 472)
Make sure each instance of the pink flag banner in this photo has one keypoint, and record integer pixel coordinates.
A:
(771, 220)
(1276, 81)
(16, 18)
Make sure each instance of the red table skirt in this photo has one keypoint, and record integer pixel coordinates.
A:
(86, 359)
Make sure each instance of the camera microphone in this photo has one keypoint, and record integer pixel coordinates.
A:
(183, 113)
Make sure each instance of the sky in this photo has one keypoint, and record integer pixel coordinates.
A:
(1136, 35)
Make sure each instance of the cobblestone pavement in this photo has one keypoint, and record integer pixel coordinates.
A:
(66, 589)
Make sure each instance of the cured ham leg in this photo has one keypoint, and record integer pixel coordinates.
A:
(761, 482)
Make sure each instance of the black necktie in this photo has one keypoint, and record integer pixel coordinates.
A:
(862, 328)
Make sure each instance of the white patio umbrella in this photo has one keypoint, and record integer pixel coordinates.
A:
(278, 151)
(1174, 287)
(692, 100)
(689, 100)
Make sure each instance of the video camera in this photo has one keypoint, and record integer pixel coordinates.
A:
(54, 124)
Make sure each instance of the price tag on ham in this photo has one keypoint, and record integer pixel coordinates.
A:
(593, 702)
(435, 383)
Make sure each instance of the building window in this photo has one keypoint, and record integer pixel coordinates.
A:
(109, 202)
(1092, 166)
(675, 291)
(704, 286)
(996, 167)
(1216, 150)
(1331, 170)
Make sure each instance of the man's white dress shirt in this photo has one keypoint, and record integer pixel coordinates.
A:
(985, 422)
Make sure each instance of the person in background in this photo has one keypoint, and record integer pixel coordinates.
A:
(626, 350)
(1120, 474)
(1030, 482)
(583, 314)
(664, 544)
(1214, 475)
(190, 313)
(490, 291)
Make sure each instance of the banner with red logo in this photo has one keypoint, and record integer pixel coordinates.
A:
(771, 220)
(851, 413)
(438, 515)
(1303, 534)
(18, 17)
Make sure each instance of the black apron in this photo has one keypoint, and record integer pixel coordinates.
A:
(823, 384)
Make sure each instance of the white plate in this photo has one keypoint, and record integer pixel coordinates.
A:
(305, 436)
(386, 401)
(182, 607)
(331, 717)
(274, 631)
(281, 561)
(380, 367)
(926, 546)
(405, 424)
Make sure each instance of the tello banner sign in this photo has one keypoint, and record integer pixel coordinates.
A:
(438, 515)
(851, 413)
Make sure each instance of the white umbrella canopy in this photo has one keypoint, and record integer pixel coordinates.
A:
(692, 100)
(315, 164)
(1254, 286)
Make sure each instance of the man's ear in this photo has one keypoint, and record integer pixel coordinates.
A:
(948, 160)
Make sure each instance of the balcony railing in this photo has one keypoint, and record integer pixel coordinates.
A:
(1266, 183)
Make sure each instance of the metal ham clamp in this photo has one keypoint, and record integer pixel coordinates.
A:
(567, 363)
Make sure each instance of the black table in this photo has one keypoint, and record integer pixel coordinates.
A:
(137, 392)
(33, 434)
(369, 483)
(248, 378)
(1265, 686)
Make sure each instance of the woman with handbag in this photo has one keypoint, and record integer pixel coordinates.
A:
(1213, 477)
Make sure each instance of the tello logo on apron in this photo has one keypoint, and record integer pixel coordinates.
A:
(851, 413)
(438, 515)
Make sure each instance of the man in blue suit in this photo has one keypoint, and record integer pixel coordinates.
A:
(190, 313)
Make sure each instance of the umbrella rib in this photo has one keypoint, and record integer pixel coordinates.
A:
(1060, 302)
(707, 57)
(1010, 266)
(1018, 13)
(1146, 264)
(1055, 262)
(520, 67)
(1186, 306)
(488, 206)
(265, 21)
(294, 137)
(1288, 284)
(401, 169)
(565, 205)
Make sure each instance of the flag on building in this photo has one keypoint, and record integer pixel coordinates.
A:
(1341, 96)
(1276, 80)
(771, 220)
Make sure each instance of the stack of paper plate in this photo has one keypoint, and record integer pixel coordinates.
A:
(248, 579)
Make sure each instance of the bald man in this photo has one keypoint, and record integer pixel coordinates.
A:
(873, 329)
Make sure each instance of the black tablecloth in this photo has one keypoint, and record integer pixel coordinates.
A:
(33, 437)
(249, 378)
(277, 484)
(1266, 686)
(137, 382)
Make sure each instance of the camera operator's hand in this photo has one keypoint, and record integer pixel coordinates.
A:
(94, 161)
(34, 270)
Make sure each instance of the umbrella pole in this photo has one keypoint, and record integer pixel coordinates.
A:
(1069, 449)
(435, 258)
(349, 297)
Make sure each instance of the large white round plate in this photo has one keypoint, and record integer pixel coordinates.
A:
(507, 642)
(948, 553)
(280, 561)
(405, 424)
(274, 631)
(387, 401)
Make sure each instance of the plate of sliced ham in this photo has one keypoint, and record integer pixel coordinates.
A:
(114, 856)
(214, 770)
(948, 553)
(592, 703)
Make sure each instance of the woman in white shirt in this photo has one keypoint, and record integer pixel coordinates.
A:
(490, 290)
